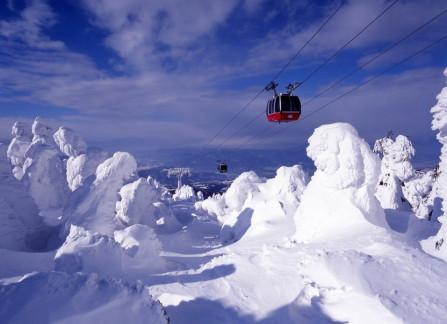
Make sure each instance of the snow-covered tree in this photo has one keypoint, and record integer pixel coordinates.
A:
(18, 146)
(435, 245)
(396, 169)
(21, 227)
(82, 161)
(339, 200)
(44, 173)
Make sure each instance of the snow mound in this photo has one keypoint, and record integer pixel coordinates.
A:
(241, 189)
(435, 245)
(129, 254)
(339, 200)
(78, 298)
(69, 142)
(139, 204)
(94, 206)
(21, 227)
(185, 192)
(253, 206)
(18, 146)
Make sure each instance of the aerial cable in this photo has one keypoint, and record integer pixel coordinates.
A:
(356, 70)
(377, 56)
(349, 42)
(362, 84)
(309, 40)
(319, 67)
(278, 74)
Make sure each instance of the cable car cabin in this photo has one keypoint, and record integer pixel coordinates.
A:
(222, 167)
(283, 108)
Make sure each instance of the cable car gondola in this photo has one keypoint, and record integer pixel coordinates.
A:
(283, 107)
(222, 167)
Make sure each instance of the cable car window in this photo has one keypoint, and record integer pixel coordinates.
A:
(277, 105)
(295, 103)
(270, 106)
(285, 103)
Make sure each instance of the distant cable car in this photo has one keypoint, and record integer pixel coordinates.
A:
(222, 167)
(283, 107)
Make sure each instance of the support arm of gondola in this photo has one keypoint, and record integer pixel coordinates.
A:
(291, 87)
(272, 86)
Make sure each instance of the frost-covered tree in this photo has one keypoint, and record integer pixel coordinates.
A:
(44, 173)
(140, 204)
(82, 161)
(18, 146)
(436, 245)
(93, 207)
(396, 169)
(21, 227)
(339, 201)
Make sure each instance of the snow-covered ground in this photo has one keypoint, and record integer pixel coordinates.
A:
(84, 239)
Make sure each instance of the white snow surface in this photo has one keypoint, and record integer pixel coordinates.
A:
(339, 201)
(130, 254)
(58, 297)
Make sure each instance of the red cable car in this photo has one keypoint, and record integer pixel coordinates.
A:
(283, 107)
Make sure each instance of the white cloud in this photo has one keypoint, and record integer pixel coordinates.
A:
(28, 29)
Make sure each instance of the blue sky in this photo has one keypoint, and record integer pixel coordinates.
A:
(143, 75)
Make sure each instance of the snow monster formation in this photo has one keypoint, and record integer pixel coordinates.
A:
(93, 206)
(19, 144)
(396, 169)
(82, 161)
(21, 227)
(339, 200)
(43, 170)
(253, 206)
(437, 245)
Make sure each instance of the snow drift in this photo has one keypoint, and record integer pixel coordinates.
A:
(339, 201)
(253, 205)
(132, 253)
(78, 298)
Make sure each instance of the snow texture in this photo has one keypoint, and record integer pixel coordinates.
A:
(21, 227)
(93, 206)
(57, 297)
(18, 146)
(126, 254)
(339, 201)
(69, 142)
